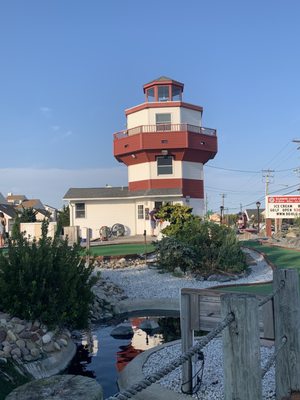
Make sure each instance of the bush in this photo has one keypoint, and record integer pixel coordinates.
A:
(46, 280)
(202, 247)
(173, 254)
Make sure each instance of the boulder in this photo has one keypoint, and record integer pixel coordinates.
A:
(59, 387)
(123, 330)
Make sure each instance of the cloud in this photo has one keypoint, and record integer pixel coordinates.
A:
(46, 111)
(55, 128)
(50, 185)
(67, 134)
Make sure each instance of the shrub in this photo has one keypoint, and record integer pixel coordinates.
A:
(202, 246)
(46, 280)
(173, 254)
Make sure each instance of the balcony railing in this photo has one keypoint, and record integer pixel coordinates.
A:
(165, 128)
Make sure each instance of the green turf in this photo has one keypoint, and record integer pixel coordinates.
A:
(121, 249)
(281, 258)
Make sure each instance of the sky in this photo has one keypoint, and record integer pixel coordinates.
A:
(70, 68)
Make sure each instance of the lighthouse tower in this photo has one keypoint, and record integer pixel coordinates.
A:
(165, 146)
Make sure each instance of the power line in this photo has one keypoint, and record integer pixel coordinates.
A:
(248, 172)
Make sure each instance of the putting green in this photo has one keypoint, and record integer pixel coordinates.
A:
(121, 249)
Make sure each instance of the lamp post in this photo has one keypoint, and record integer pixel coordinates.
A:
(221, 214)
(258, 205)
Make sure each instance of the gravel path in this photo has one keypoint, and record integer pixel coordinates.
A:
(145, 283)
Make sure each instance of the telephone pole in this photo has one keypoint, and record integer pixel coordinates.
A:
(267, 175)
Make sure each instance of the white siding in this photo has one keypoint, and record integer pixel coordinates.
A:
(192, 170)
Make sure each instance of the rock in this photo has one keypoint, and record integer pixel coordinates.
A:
(2, 335)
(24, 351)
(11, 336)
(16, 352)
(25, 335)
(20, 343)
(49, 347)
(178, 272)
(47, 337)
(3, 360)
(62, 342)
(18, 328)
(123, 330)
(7, 350)
(59, 387)
(34, 352)
(148, 325)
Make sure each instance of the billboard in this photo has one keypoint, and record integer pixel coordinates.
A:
(282, 206)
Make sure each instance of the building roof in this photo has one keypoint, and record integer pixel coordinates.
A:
(32, 203)
(116, 192)
(8, 209)
(252, 212)
(14, 197)
(163, 79)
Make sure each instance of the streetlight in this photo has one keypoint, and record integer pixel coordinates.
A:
(221, 214)
(258, 205)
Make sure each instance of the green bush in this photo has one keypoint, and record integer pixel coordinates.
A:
(173, 254)
(46, 280)
(202, 247)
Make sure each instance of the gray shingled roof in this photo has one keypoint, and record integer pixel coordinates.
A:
(8, 209)
(116, 192)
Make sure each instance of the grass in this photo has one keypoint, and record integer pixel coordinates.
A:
(281, 258)
(121, 249)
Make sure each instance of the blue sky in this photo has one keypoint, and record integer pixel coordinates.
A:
(70, 68)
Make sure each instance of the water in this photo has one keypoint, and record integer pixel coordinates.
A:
(102, 357)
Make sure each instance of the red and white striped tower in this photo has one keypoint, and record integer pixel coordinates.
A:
(165, 145)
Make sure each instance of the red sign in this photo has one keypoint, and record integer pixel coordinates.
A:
(283, 199)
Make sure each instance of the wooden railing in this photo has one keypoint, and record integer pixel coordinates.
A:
(165, 128)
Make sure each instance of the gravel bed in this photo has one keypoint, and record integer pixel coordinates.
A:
(142, 282)
(212, 386)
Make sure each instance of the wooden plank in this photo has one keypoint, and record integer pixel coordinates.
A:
(187, 340)
(241, 348)
(287, 324)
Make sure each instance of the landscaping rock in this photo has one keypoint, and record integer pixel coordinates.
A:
(61, 387)
(123, 330)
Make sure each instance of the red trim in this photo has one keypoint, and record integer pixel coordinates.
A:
(190, 187)
(162, 82)
(162, 104)
(184, 146)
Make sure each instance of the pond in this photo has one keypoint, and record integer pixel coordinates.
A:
(102, 356)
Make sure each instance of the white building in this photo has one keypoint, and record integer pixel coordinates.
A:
(164, 148)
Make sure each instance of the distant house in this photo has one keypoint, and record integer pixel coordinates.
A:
(251, 215)
(15, 199)
(9, 214)
(52, 212)
(2, 199)
(37, 206)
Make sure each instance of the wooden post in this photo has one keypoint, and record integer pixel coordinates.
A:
(287, 324)
(187, 341)
(241, 348)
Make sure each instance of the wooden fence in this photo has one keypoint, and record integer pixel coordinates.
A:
(254, 319)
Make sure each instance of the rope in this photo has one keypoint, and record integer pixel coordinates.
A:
(273, 358)
(156, 376)
(270, 296)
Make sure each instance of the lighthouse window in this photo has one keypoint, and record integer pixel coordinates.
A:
(79, 210)
(163, 93)
(164, 165)
(176, 93)
(150, 95)
(163, 121)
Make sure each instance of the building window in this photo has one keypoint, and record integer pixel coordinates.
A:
(79, 210)
(164, 165)
(140, 211)
(163, 121)
(176, 93)
(163, 93)
(150, 95)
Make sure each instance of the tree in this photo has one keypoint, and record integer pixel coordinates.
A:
(177, 215)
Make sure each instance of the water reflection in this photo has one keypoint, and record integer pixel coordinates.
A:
(102, 357)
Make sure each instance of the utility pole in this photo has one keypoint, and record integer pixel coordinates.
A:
(223, 195)
(267, 175)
